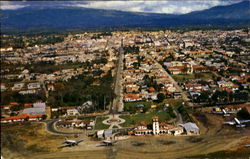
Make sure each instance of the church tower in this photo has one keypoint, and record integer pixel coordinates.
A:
(156, 130)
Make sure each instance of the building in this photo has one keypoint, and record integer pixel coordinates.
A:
(72, 112)
(157, 128)
(190, 128)
(100, 134)
(22, 118)
(38, 108)
(33, 85)
(17, 86)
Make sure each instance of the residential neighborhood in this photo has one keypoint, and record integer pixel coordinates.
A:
(126, 85)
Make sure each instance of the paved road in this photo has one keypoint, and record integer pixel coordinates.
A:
(183, 94)
(117, 105)
(50, 127)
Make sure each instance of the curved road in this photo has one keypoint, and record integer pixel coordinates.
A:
(50, 127)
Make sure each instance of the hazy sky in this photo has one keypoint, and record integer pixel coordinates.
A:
(152, 6)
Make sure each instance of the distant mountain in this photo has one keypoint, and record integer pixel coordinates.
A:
(69, 18)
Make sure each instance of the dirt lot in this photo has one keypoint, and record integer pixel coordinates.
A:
(212, 124)
(167, 147)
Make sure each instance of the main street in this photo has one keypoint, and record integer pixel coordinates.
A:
(117, 105)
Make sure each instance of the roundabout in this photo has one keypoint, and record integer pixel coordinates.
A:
(114, 120)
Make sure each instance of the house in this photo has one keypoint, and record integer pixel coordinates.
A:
(28, 92)
(22, 118)
(141, 129)
(17, 86)
(19, 118)
(64, 124)
(33, 85)
(3, 87)
(37, 117)
(131, 97)
(72, 112)
(50, 87)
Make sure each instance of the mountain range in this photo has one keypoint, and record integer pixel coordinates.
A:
(73, 18)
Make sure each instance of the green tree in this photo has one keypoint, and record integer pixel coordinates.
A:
(160, 97)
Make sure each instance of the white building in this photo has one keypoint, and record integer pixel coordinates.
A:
(72, 112)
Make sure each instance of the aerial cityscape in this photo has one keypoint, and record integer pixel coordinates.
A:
(125, 79)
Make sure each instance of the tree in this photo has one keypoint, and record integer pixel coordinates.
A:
(160, 97)
(16, 107)
(44, 117)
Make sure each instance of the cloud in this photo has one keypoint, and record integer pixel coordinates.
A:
(150, 6)
(170, 6)
(7, 5)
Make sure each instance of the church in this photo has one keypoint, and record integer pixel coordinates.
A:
(162, 128)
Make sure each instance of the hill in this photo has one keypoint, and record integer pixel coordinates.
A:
(69, 18)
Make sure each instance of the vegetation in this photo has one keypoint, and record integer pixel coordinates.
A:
(132, 120)
(80, 89)
(160, 97)
(99, 125)
(184, 113)
(9, 96)
(132, 106)
(27, 138)
(22, 41)
(184, 77)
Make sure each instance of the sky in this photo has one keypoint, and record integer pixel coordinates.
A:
(150, 6)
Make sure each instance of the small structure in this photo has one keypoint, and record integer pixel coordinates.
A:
(72, 112)
(108, 133)
(100, 134)
(142, 129)
(190, 128)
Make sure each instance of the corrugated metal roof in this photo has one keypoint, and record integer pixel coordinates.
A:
(34, 111)
(108, 133)
(39, 105)
(190, 127)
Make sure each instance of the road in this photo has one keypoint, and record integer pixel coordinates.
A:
(183, 94)
(117, 105)
(50, 127)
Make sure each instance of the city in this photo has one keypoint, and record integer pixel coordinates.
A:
(126, 94)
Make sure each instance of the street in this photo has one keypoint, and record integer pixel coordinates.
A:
(117, 105)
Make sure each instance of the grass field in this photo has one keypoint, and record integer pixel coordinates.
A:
(131, 120)
(183, 77)
(174, 102)
(133, 104)
(99, 125)
(27, 138)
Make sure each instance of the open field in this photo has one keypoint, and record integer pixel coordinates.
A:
(28, 138)
(184, 77)
(131, 120)
(161, 147)
(173, 102)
